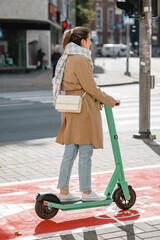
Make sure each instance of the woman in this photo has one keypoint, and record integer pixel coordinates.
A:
(79, 131)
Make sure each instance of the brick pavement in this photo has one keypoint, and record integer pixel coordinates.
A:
(34, 159)
(38, 159)
(41, 80)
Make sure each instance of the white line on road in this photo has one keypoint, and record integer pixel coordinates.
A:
(142, 188)
(16, 104)
(13, 194)
(95, 173)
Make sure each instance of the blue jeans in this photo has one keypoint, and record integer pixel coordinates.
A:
(85, 154)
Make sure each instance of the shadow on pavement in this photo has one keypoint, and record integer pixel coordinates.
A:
(98, 70)
(129, 229)
(119, 219)
(153, 145)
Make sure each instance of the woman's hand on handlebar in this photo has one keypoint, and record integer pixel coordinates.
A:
(117, 103)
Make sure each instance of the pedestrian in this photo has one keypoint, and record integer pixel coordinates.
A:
(80, 132)
(39, 58)
(54, 59)
(2, 59)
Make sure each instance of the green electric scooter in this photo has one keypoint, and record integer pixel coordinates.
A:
(48, 204)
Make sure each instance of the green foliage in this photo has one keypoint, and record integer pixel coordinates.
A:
(84, 12)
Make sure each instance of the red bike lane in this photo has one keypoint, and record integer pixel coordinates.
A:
(18, 218)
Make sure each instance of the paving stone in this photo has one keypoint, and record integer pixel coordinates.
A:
(145, 227)
(107, 230)
(115, 238)
(132, 237)
(157, 226)
(149, 235)
(67, 237)
(132, 229)
(115, 235)
(155, 222)
(154, 238)
(92, 235)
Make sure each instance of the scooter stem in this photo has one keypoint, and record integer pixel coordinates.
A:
(118, 175)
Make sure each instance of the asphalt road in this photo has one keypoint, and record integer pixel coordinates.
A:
(24, 120)
(31, 115)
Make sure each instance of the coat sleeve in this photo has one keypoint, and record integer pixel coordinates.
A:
(84, 74)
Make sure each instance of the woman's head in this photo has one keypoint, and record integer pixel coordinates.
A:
(78, 35)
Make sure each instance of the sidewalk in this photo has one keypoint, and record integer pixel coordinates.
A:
(42, 79)
(41, 158)
(34, 159)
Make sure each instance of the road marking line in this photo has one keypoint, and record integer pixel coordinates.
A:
(13, 194)
(17, 104)
(142, 188)
(47, 179)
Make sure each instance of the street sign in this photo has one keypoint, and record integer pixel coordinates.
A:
(18, 217)
(94, 36)
(129, 21)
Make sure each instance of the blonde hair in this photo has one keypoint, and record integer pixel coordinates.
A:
(75, 35)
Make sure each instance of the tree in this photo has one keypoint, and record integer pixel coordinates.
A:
(84, 12)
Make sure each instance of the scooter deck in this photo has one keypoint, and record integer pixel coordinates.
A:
(78, 205)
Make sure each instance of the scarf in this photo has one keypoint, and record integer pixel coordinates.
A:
(70, 49)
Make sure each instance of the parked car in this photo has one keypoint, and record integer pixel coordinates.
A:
(114, 50)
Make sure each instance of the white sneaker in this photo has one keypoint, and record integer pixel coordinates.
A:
(93, 196)
(68, 198)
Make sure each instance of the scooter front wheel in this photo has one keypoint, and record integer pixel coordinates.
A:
(120, 199)
(43, 211)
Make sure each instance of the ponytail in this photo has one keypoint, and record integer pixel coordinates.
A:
(66, 38)
(75, 35)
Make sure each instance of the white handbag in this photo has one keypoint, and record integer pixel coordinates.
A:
(69, 103)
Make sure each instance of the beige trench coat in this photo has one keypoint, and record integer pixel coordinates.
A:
(85, 127)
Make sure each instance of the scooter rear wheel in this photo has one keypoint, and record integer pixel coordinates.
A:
(120, 199)
(43, 211)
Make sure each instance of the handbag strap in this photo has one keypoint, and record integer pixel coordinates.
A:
(84, 94)
(63, 94)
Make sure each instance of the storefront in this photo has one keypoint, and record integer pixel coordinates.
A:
(28, 26)
(25, 28)
(21, 40)
(12, 46)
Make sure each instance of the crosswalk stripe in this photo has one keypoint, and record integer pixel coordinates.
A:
(127, 114)
(131, 121)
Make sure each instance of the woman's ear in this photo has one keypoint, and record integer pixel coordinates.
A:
(82, 42)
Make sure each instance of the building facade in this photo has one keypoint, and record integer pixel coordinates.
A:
(108, 27)
(30, 25)
(107, 22)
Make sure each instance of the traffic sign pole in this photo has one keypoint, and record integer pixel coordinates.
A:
(145, 70)
(128, 50)
(128, 21)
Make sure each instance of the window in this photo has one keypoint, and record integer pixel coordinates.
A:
(154, 26)
(110, 19)
(99, 39)
(98, 18)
